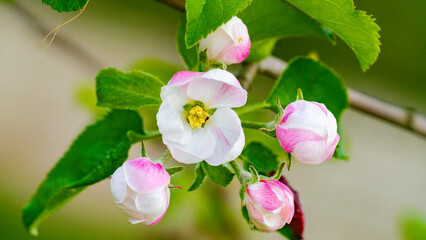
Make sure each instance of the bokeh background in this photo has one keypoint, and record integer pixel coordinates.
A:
(46, 99)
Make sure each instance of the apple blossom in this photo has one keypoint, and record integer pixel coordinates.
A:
(308, 131)
(140, 189)
(270, 204)
(229, 44)
(196, 119)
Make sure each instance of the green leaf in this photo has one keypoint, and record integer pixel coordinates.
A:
(221, 175)
(96, 153)
(205, 16)
(200, 177)
(65, 5)
(159, 68)
(261, 157)
(131, 90)
(261, 49)
(266, 19)
(189, 56)
(287, 232)
(357, 29)
(175, 170)
(318, 82)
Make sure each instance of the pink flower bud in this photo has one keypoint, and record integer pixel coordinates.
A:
(270, 204)
(308, 131)
(229, 44)
(140, 189)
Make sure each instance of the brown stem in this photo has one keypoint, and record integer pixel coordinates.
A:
(404, 117)
(248, 73)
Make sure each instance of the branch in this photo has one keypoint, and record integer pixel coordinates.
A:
(248, 73)
(401, 116)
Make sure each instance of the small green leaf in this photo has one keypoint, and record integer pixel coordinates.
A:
(287, 232)
(175, 170)
(189, 56)
(131, 90)
(261, 157)
(65, 5)
(157, 67)
(200, 177)
(318, 82)
(205, 16)
(261, 49)
(221, 175)
(266, 19)
(357, 29)
(96, 153)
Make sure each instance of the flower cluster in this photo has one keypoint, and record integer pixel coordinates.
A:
(197, 123)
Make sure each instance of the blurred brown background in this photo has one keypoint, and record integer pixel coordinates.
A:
(379, 194)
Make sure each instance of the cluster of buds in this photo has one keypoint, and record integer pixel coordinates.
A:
(198, 123)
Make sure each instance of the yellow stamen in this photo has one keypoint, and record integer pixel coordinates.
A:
(239, 40)
(197, 116)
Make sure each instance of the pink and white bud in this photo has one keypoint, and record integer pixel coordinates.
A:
(308, 131)
(270, 204)
(229, 44)
(140, 189)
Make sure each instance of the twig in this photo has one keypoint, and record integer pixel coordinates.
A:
(248, 73)
(404, 117)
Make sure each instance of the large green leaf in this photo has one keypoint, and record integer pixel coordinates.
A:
(260, 157)
(205, 16)
(131, 90)
(99, 150)
(318, 82)
(221, 175)
(189, 56)
(267, 19)
(66, 5)
(355, 27)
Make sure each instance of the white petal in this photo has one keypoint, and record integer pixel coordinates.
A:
(152, 204)
(331, 127)
(118, 185)
(219, 90)
(201, 146)
(238, 147)
(226, 127)
(216, 44)
(307, 116)
(310, 152)
(171, 123)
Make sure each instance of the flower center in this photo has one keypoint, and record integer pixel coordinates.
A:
(197, 116)
(239, 40)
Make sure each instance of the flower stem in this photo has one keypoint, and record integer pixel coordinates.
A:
(254, 125)
(253, 107)
(137, 137)
(242, 174)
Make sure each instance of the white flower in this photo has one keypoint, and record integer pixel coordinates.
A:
(229, 44)
(140, 189)
(196, 119)
(308, 131)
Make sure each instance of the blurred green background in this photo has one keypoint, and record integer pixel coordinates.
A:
(379, 194)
